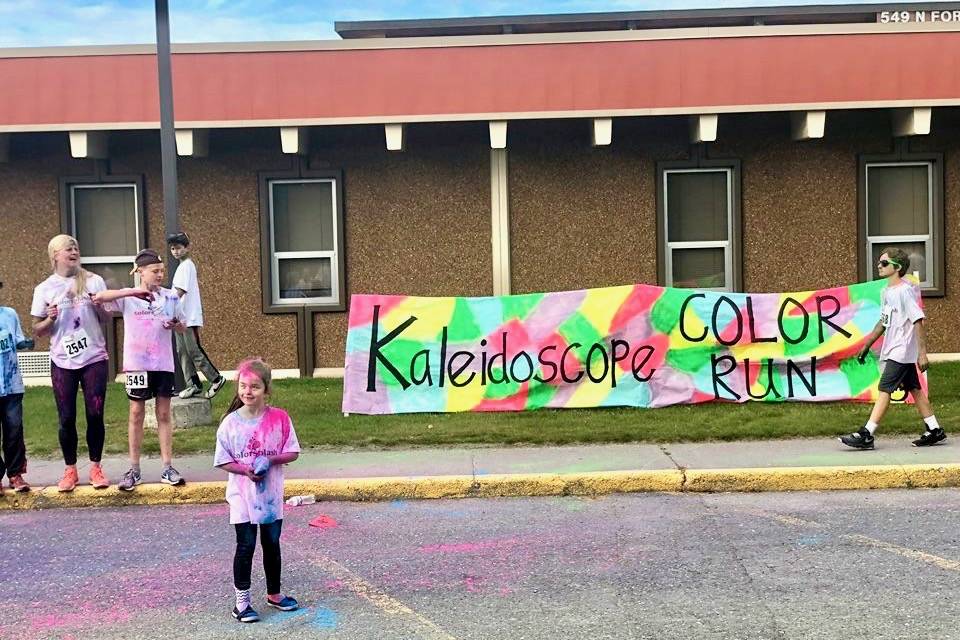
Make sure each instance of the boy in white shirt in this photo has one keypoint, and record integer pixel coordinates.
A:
(904, 350)
(191, 354)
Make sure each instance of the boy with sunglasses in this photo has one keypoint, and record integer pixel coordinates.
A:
(904, 350)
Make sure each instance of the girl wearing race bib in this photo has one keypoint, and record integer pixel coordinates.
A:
(63, 308)
(150, 313)
(254, 441)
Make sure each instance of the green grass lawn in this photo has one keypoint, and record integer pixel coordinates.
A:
(315, 408)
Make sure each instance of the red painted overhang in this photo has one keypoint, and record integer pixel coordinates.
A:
(502, 79)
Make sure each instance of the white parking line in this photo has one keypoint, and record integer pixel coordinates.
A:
(381, 600)
(906, 552)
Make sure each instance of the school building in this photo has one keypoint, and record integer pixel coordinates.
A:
(772, 149)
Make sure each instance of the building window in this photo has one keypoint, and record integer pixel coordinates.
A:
(900, 213)
(107, 221)
(305, 256)
(698, 223)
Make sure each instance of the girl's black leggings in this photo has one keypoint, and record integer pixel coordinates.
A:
(93, 379)
(247, 544)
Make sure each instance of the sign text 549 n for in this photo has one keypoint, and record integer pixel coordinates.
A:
(885, 17)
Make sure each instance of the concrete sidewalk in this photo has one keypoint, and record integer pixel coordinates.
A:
(771, 465)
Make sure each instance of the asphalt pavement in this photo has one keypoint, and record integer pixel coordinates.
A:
(844, 565)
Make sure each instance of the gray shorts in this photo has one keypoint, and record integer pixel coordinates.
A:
(897, 375)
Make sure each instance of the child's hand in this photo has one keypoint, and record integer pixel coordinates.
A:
(53, 311)
(174, 324)
(922, 362)
(250, 474)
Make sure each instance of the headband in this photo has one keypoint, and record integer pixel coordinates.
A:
(145, 258)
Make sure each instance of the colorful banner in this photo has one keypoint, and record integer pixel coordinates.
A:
(639, 346)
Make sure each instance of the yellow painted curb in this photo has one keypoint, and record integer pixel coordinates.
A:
(512, 485)
(145, 494)
(824, 478)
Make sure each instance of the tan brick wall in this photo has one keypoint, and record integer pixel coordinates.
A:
(583, 216)
(417, 222)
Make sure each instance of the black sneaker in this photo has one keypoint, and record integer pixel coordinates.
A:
(247, 615)
(930, 438)
(861, 439)
(287, 604)
(215, 386)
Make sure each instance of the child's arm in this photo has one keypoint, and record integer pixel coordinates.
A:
(871, 338)
(922, 361)
(178, 321)
(44, 326)
(283, 458)
(22, 342)
(240, 470)
(110, 295)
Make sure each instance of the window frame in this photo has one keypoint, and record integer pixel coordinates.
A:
(733, 258)
(116, 259)
(277, 256)
(269, 259)
(101, 179)
(670, 247)
(935, 268)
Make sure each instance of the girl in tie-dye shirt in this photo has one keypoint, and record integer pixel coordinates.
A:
(254, 441)
(64, 309)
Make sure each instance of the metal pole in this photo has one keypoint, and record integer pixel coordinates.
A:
(168, 140)
(168, 147)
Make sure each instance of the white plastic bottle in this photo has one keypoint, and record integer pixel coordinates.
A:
(296, 501)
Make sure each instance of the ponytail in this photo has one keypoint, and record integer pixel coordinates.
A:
(82, 281)
(235, 404)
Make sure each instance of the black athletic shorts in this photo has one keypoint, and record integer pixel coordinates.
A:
(143, 385)
(897, 375)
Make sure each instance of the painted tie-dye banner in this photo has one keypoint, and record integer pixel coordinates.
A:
(639, 346)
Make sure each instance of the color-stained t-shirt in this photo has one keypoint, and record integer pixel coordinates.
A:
(901, 309)
(11, 333)
(77, 337)
(147, 344)
(241, 440)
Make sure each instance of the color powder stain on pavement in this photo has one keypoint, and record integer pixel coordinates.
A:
(325, 618)
(470, 547)
(285, 617)
(84, 616)
(323, 521)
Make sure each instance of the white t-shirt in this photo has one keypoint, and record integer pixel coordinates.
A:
(242, 440)
(147, 344)
(186, 278)
(77, 338)
(901, 309)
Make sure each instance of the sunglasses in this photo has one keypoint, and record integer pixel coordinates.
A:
(887, 263)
